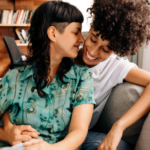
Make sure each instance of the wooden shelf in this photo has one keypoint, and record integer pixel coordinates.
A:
(22, 44)
(14, 25)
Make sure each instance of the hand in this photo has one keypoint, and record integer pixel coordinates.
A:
(112, 139)
(19, 134)
(37, 144)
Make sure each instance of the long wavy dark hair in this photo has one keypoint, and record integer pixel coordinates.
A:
(125, 23)
(58, 14)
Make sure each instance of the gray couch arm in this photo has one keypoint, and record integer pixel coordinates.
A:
(121, 99)
(143, 142)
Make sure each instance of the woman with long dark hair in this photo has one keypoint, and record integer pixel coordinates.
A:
(50, 92)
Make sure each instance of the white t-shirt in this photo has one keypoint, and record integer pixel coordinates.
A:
(108, 74)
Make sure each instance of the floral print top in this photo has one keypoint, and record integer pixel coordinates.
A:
(49, 115)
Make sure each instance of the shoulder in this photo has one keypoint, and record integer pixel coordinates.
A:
(16, 74)
(120, 62)
(82, 71)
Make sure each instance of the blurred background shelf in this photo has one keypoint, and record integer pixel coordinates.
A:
(14, 25)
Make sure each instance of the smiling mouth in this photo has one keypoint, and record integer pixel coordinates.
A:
(76, 46)
(90, 58)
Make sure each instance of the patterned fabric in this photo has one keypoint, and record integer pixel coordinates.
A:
(50, 115)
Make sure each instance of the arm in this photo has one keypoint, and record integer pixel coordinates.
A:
(78, 129)
(2, 135)
(139, 109)
(13, 134)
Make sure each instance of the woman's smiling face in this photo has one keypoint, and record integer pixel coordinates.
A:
(95, 49)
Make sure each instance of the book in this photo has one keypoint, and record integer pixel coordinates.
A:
(31, 14)
(26, 17)
(10, 17)
(19, 35)
(23, 16)
(0, 16)
(6, 16)
(25, 35)
(17, 15)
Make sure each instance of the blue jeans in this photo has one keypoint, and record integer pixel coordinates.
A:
(94, 139)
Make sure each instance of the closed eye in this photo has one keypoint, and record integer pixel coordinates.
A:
(105, 51)
(92, 40)
(76, 33)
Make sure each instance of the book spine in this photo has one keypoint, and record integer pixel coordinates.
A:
(17, 15)
(18, 18)
(10, 17)
(6, 16)
(25, 20)
(24, 14)
(13, 18)
(19, 22)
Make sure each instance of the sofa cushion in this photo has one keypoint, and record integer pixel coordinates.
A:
(143, 142)
(121, 99)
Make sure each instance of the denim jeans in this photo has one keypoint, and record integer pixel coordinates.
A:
(94, 139)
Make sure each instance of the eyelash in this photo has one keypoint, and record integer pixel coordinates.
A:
(76, 33)
(105, 51)
(93, 41)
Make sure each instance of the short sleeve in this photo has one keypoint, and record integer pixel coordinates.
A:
(123, 66)
(126, 67)
(85, 89)
(4, 91)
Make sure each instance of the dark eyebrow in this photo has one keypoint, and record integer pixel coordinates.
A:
(94, 35)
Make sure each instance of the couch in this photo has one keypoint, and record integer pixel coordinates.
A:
(123, 97)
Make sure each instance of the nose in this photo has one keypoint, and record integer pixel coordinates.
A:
(81, 39)
(94, 51)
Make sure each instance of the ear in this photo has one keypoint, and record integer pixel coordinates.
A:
(51, 32)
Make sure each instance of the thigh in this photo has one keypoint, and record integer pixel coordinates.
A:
(94, 139)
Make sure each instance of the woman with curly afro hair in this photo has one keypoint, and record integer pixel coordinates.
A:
(118, 29)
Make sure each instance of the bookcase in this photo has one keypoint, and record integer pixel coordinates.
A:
(9, 29)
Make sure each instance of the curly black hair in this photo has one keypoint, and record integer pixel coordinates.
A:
(125, 23)
(50, 13)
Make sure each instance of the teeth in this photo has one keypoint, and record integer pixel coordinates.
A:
(90, 56)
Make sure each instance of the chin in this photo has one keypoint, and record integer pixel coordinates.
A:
(74, 56)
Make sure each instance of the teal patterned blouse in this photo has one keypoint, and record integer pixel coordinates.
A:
(50, 115)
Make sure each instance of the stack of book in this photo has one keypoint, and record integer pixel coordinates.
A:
(18, 17)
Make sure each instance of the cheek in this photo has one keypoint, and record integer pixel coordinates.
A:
(105, 55)
(87, 42)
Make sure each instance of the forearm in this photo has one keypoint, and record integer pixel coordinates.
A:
(139, 109)
(2, 135)
(72, 141)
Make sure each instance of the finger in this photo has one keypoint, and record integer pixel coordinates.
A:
(32, 141)
(32, 134)
(27, 128)
(23, 138)
(32, 147)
